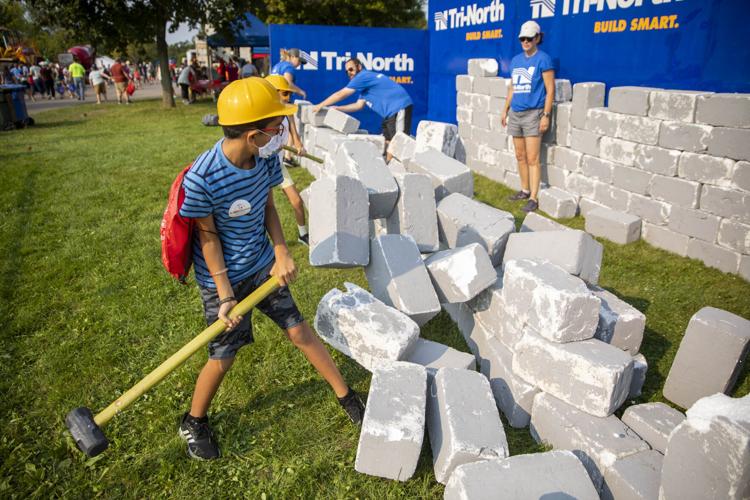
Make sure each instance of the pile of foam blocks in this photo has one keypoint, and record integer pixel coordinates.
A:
(550, 350)
(669, 166)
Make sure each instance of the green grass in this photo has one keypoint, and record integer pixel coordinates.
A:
(89, 310)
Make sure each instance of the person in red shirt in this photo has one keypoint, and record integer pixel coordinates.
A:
(121, 79)
(233, 71)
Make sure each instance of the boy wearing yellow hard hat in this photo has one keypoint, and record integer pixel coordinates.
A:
(228, 193)
(290, 137)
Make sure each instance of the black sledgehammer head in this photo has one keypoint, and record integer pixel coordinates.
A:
(87, 435)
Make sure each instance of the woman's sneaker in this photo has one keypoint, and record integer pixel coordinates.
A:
(530, 206)
(304, 239)
(521, 195)
(353, 406)
(200, 438)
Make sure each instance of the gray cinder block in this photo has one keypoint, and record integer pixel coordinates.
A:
(705, 168)
(562, 130)
(617, 150)
(491, 86)
(663, 238)
(654, 422)
(437, 135)
(377, 139)
(482, 67)
(393, 425)
(338, 120)
(558, 203)
(329, 139)
(656, 160)
(636, 477)
(462, 220)
(402, 146)
(611, 197)
(596, 441)
(640, 369)
(535, 222)
(709, 358)
(397, 276)
(676, 191)
(563, 90)
(620, 324)
(464, 83)
(362, 327)
(513, 395)
(448, 175)
(630, 100)
(584, 141)
(586, 205)
(713, 255)
(433, 356)
(724, 110)
(734, 235)
(678, 105)
(695, 223)
(730, 142)
(573, 250)
(363, 161)
(396, 167)
(415, 213)
(590, 375)
(650, 210)
(553, 474)
(338, 222)
(684, 136)
(602, 121)
(308, 117)
(725, 202)
(597, 168)
(463, 423)
(459, 274)
(708, 455)
(619, 227)
(639, 129)
(585, 95)
(547, 299)
(583, 186)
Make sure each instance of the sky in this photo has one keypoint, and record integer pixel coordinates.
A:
(183, 34)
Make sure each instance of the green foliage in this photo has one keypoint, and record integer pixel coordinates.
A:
(388, 14)
(88, 310)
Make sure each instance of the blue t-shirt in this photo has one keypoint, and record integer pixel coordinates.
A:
(282, 67)
(381, 94)
(237, 199)
(527, 81)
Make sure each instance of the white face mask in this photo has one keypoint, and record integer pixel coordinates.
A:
(270, 149)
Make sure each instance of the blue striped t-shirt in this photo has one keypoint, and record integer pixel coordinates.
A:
(237, 200)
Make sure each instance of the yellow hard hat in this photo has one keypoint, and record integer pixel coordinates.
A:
(250, 100)
(279, 82)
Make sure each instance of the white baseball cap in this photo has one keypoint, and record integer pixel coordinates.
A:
(530, 29)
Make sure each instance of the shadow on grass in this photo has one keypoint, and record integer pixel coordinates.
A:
(55, 124)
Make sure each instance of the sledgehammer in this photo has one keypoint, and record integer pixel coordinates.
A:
(303, 155)
(86, 428)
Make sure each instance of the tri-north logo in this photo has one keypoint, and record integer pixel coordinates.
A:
(521, 78)
(546, 8)
(333, 61)
(469, 15)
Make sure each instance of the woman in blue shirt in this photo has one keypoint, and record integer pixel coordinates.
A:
(530, 98)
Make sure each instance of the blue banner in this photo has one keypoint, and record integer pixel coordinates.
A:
(401, 54)
(675, 44)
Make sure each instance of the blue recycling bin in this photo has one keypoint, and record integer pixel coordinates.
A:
(14, 105)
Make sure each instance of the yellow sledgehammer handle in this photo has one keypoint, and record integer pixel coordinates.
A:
(183, 354)
(304, 155)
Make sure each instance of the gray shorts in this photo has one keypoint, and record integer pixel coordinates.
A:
(524, 123)
(279, 306)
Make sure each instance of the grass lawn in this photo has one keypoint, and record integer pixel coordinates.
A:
(89, 310)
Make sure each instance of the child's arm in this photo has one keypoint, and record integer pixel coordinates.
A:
(284, 268)
(214, 256)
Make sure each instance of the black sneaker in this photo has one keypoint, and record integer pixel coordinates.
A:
(530, 206)
(352, 404)
(291, 162)
(304, 239)
(199, 437)
(521, 195)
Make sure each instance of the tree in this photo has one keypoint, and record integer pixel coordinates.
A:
(386, 14)
(116, 23)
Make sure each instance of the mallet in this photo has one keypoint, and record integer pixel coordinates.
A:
(304, 155)
(86, 428)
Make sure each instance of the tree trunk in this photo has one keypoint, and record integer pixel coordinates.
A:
(167, 95)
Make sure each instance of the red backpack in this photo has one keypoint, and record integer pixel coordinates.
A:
(177, 233)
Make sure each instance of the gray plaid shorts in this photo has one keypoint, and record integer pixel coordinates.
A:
(279, 306)
(524, 123)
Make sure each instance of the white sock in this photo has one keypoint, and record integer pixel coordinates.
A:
(302, 230)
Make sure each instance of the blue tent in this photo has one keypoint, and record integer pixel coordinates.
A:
(248, 32)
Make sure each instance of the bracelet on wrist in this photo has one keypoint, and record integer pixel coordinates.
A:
(220, 272)
(227, 299)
